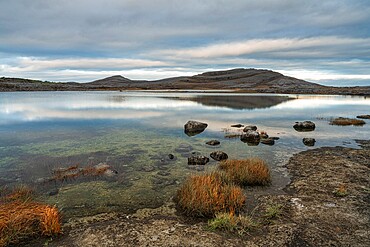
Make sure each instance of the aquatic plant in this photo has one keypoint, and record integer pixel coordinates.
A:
(347, 121)
(253, 171)
(208, 194)
(22, 218)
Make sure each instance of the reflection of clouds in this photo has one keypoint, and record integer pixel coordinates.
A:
(320, 102)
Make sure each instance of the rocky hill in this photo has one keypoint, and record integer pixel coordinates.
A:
(241, 80)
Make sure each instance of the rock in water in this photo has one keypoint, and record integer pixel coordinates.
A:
(304, 126)
(198, 160)
(249, 127)
(309, 142)
(194, 127)
(219, 155)
(237, 125)
(268, 141)
(364, 116)
(251, 136)
(213, 143)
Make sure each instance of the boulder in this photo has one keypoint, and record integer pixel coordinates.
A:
(268, 141)
(237, 125)
(249, 127)
(219, 155)
(251, 136)
(364, 116)
(213, 143)
(198, 160)
(194, 127)
(309, 142)
(304, 126)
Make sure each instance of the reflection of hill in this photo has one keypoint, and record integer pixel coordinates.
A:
(238, 102)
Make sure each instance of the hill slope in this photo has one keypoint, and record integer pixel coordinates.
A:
(241, 80)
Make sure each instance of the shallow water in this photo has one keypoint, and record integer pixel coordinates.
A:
(134, 132)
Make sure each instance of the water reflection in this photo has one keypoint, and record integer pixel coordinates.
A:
(134, 132)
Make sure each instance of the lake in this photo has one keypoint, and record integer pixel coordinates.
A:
(43, 134)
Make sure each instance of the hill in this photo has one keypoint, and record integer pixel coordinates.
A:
(240, 80)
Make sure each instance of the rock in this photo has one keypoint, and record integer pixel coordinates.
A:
(304, 126)
(251, 136)
(309, 142)
(219, 155)
(268, 141)
(171, 156)
(249, 127)
(237, 125)
(194, 127)
(163, 173)
(213, 143)
(198, 160)
(53, 192)
(275, 138)
(148, 168)
(264, 135)
(110, 173)
(364, 116)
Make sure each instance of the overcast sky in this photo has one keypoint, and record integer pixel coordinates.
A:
(69, 40)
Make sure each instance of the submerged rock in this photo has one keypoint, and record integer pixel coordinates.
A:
(309, 142)
(251, 136)
(250, 127)
(171, 156)
(304, 126)
(198, 160)
(194, 127)
(275, 138)
(213, 143)
(268, 141)
(219, 155)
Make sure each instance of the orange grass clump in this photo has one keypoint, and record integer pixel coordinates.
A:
(347, 121)
(206, 195)
(252, 171)
(21, 219)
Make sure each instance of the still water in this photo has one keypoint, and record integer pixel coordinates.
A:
(43, 133)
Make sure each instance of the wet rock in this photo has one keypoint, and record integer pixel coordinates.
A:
(171, 156)
(268, 141)
(213, 143)
(219, 155)
(163, 182)
(309, 142)
(264, 135)
(364, 116)
(198, 160)
(251, 136)
(275, 138)
(304, 126)
(194, 127)
(237, 125)
(250, 127)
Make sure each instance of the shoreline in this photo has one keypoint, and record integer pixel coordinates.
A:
(312, 214)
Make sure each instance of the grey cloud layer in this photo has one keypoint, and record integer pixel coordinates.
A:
(88, 38)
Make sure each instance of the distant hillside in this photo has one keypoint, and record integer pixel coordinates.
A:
(240, 80)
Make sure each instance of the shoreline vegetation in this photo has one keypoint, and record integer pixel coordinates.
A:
(326, 204)
(235, 80)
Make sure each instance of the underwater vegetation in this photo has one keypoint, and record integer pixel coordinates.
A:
(22, 218)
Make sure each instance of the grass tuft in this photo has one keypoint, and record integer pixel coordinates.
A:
(230, 222)
(206, 195)
(22, 218)
(273, 212)
(252, 171)
(341, 191)
(347, 121)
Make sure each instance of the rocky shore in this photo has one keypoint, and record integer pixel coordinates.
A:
(326, 204)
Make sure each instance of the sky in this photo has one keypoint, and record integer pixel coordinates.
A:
(68, 40)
